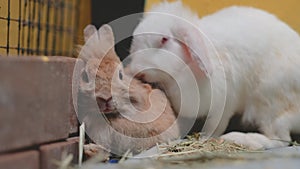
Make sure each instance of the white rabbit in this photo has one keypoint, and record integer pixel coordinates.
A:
(243, 58)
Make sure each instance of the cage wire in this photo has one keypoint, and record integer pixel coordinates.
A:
(38, 27)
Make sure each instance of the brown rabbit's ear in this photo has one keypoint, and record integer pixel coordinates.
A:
(88, 31)
(107, 39)
(98, 42)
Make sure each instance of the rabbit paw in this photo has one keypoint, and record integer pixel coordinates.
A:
(254, 141)
(91, 150)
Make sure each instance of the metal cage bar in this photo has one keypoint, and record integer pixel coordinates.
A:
(8, 27)
(39, 27)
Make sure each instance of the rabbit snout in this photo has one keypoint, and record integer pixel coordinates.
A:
(106, 105)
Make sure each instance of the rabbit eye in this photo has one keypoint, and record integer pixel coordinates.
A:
(164, 40)
(120, 75)
(85, 77)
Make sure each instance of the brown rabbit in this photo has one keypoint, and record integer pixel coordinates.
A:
(133, 115)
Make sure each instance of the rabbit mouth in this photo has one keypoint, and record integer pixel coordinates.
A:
(109, 110)
(112, 114)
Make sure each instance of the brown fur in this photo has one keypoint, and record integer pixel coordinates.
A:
(119, 133)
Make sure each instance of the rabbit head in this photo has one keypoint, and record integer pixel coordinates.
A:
(169, 45)
(106, 77)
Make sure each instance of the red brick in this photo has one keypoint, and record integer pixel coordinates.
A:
(23, 160)
(53, 152)
(35, 100)
(73, 117)
(73, 123)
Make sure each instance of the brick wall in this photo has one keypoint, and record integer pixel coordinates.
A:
(37, 117)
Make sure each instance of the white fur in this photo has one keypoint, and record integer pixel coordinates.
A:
(260, 56)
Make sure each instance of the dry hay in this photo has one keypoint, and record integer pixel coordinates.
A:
(194, 147)
(186, 151)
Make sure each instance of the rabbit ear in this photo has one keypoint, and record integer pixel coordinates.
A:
(106, 38)
(90, 49)
(97, 43)
(88, 31)
(194, 47)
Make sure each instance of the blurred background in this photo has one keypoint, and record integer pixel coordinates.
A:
(288, 10)
(54, 27)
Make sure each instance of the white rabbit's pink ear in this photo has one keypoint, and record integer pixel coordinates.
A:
(194, 47)
(88, 31)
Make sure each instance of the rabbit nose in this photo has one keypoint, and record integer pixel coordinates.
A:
(103, 102)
